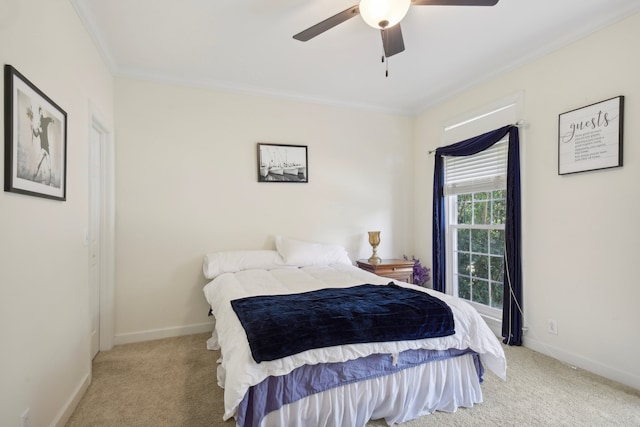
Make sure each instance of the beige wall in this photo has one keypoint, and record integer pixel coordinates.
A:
(44, 332)
(187, 185)
(580, 232)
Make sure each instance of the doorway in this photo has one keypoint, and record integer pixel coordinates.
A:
(100, 236)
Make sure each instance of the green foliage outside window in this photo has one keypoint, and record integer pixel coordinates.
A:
(480, 247)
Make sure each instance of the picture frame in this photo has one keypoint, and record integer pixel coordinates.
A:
(282, 163)
(35, 140)
(590, 138)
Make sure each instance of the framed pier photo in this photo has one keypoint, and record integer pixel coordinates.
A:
(282, 163)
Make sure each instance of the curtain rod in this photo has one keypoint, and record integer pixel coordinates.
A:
(519, 123)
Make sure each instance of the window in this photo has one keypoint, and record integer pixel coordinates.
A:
(478, 274)
(475, 209)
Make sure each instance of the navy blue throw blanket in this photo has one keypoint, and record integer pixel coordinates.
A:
(281, 325)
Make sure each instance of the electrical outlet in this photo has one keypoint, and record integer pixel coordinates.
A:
(25, 419)
(552, 326)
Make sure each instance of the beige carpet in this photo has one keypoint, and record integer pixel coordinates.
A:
(172, 382)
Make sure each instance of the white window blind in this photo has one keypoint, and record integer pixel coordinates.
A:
(484, 171)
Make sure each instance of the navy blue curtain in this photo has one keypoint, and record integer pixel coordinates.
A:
(511, 313)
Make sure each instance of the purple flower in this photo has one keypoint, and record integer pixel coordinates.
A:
(421, 274)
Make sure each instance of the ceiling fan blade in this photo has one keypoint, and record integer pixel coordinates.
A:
(392, 40)
(454, 2)
(327, 24)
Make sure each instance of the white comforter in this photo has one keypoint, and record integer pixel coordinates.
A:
(239, 371)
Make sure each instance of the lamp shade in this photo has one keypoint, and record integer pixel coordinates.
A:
(383, 13)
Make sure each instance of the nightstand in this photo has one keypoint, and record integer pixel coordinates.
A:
(398, 269)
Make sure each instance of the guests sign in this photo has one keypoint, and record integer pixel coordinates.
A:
(590, 137)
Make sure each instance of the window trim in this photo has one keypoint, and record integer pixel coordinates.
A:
(467, 125)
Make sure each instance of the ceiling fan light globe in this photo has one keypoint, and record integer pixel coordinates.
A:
(382, 14)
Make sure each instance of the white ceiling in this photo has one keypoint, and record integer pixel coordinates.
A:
(247, 45)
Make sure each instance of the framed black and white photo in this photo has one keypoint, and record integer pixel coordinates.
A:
(590, 137)
(282, 163)
(35, 140)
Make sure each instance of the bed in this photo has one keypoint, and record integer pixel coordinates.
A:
(343, 384)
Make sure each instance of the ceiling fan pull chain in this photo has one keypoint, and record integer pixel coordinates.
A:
(385, 39)
(385, 61)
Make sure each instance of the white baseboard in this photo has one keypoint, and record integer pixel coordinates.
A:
(67, 410)
(156, 334)
(581, 362)
(572, 359)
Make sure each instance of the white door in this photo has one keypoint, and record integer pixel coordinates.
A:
(94, 237)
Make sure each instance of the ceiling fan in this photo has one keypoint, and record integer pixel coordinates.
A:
(384, 15)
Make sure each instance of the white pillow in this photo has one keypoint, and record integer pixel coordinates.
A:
(303, 254)
(217, 263)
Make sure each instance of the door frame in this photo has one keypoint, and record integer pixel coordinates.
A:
(107, 228)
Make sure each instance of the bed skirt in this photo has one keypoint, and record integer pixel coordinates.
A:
(442, 385)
